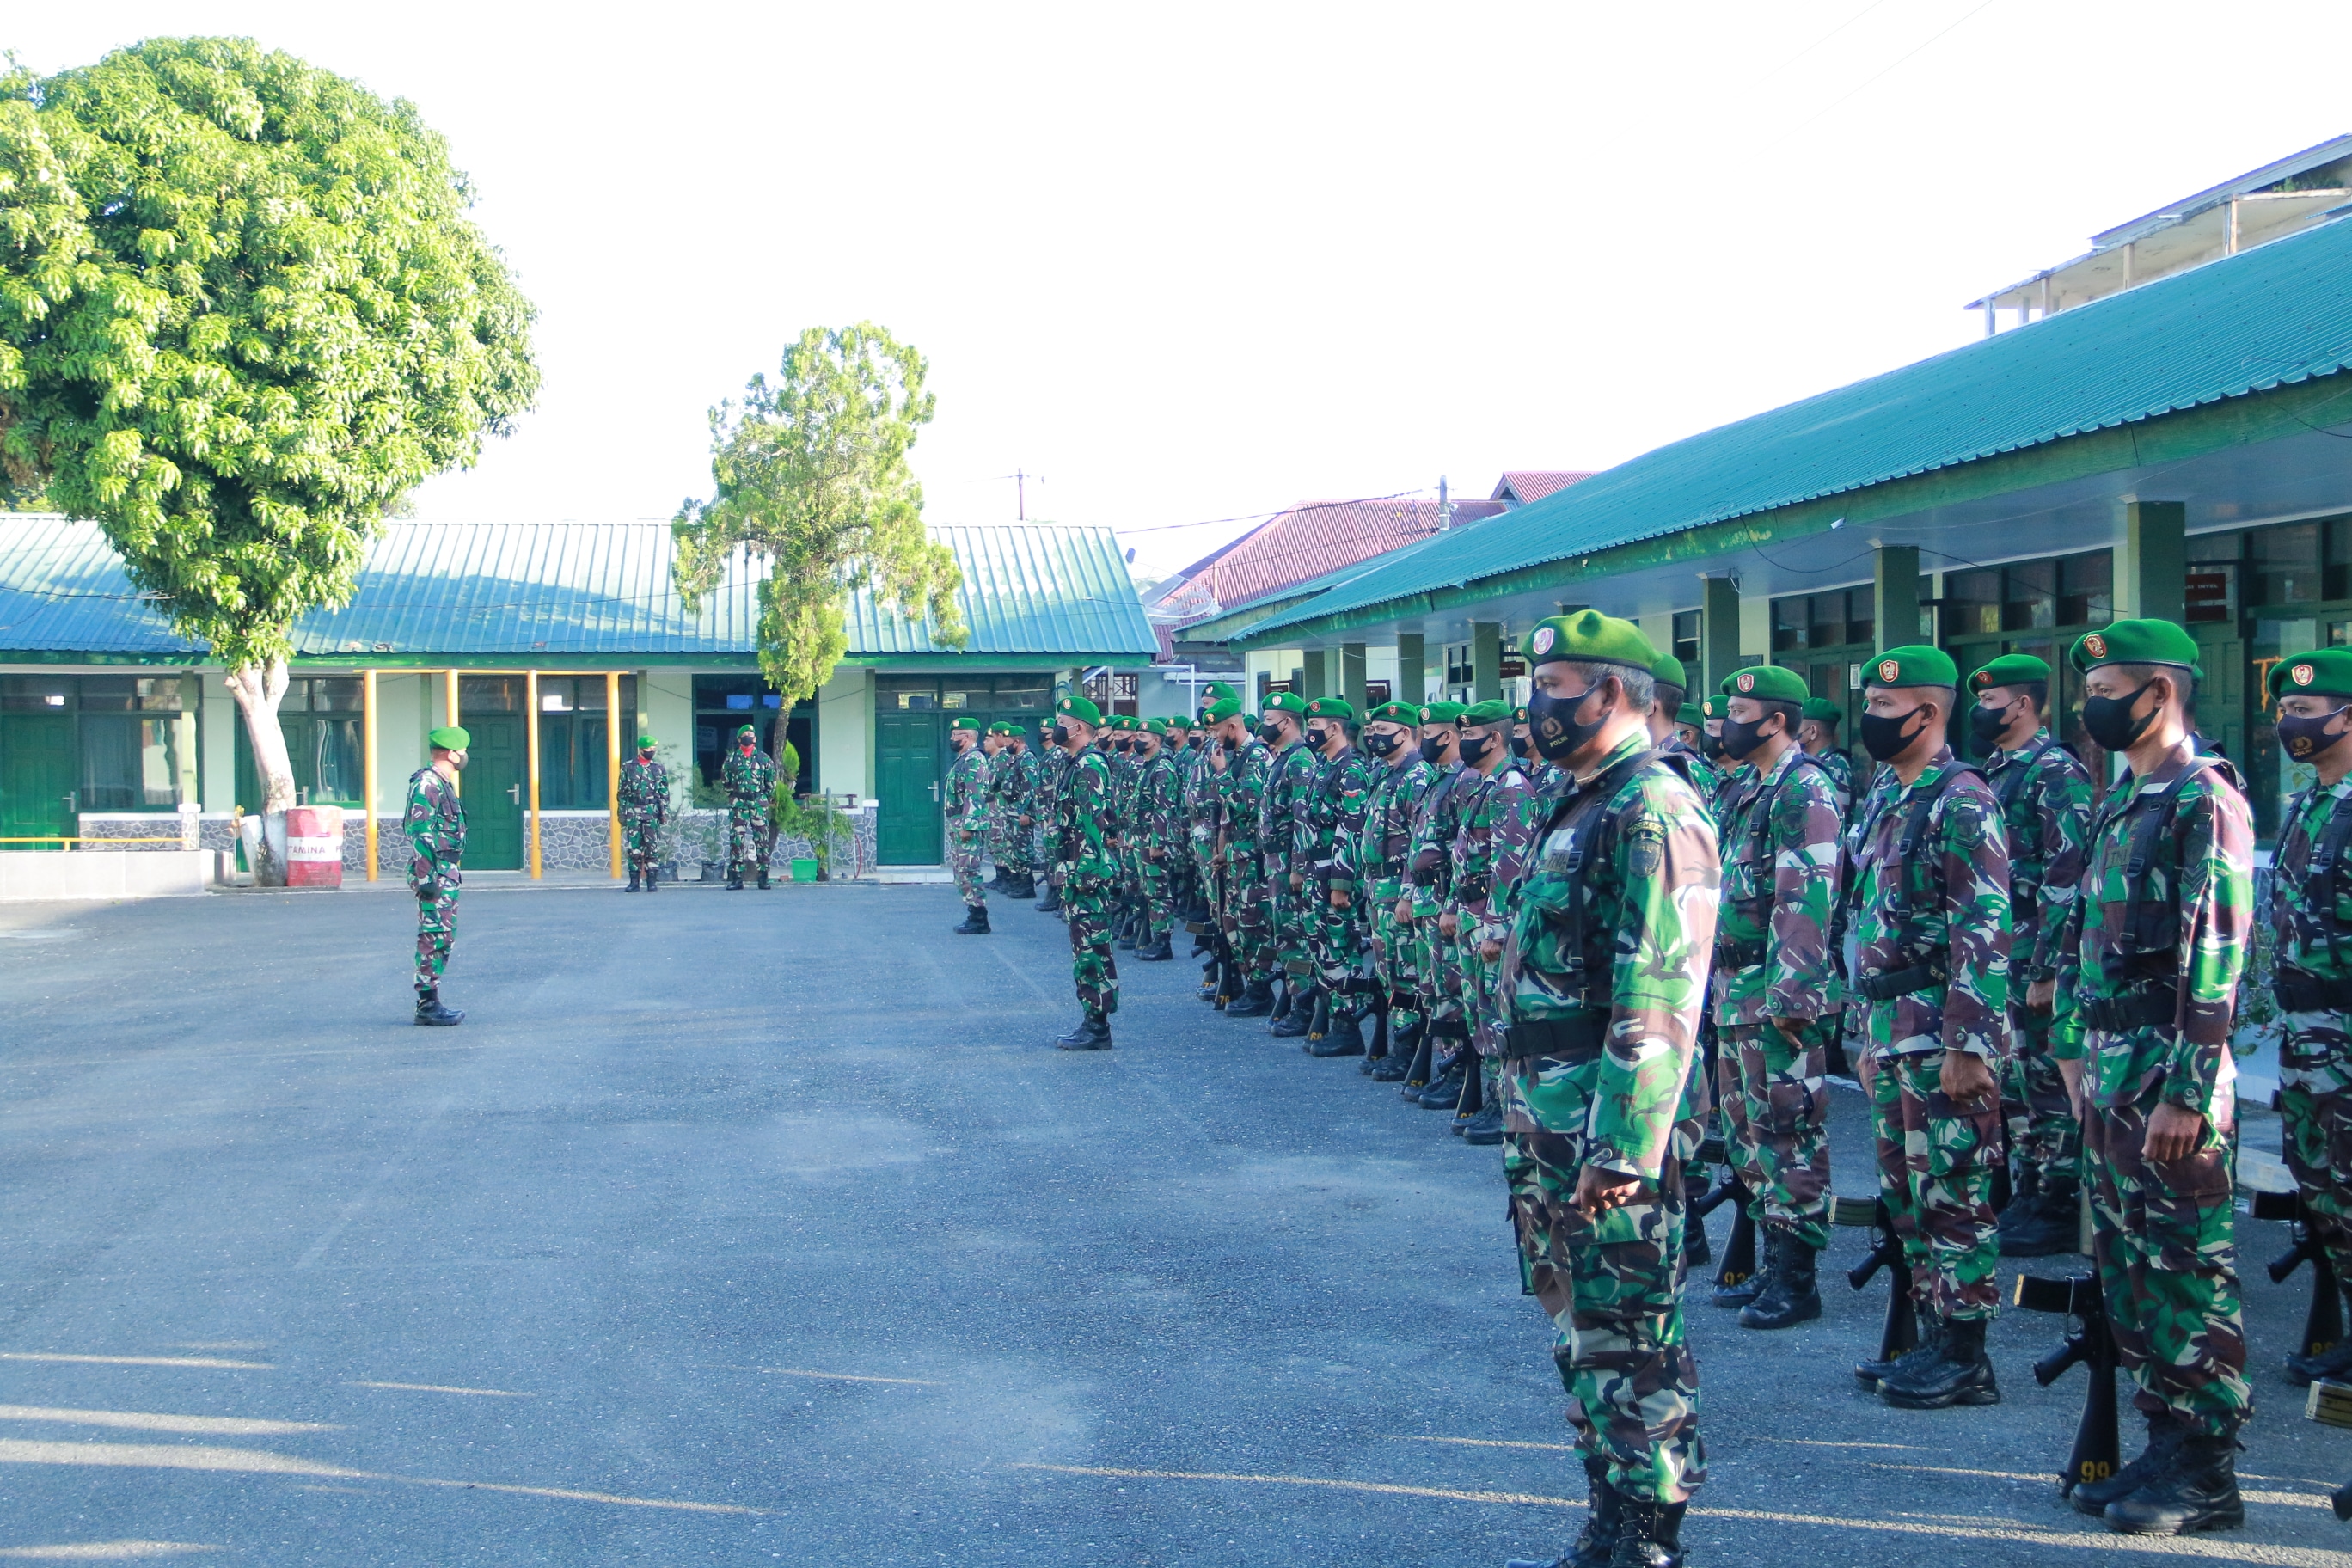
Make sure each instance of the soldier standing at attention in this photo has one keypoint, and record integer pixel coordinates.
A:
(2311, 916)
(1543, 775)
(1931, 929)
(1817, 735)
(1603, 982)
(1490, 810)
(1087, 826)
(750, 780)
(1378, 852)
(1044, 805)
(1176, 851)
(1004, 808)
(644, 807)
(2045, 806)
(1021, 814)
(1244, 916)
(435, 825)
(1428, 878)
(1290, 774)
(1685, 743)
(1771, 991)
(965, 802)
(1328, 813)
(2146, 988)
(1159, 803)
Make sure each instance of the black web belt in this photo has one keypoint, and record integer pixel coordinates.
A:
(2300, 991)
(1564, 1039)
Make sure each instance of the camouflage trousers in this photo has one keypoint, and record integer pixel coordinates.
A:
(747, 835)
(1248, 918)
(1290, 919)
(1612, 1284)
(2042, 1132)
(1094, 963)
(436, 922)
(1776, 1133)
(2315, 1114)
(1481, 997)
(963, 860)
(1394, 953)
(1008, 841)
(1439, 962)
(641, 839)
(1338, 951)
(1936, 1163)
(2163, 1237)
(1156, 884)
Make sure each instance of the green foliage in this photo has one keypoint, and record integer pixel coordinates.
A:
(811, 480)
(242, 312)
(817, 822)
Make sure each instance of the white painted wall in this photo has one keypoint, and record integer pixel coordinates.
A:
(219, 739)
(845, 734)
(1756, 627)
(400, 731)
(666, 710)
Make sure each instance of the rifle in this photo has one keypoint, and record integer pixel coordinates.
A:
(2098, 1449)
(2322, 1323)
(1739, 1263)
(1901, 1331)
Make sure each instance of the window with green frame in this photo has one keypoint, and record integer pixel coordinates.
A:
(133, 736)
(2259, 595)
(2034, 608)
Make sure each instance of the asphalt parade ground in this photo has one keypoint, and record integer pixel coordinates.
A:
(744, 1227)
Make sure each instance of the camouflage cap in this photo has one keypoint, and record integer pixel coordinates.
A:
(450, 738)
(1914, 664)
(1494, 710)
(1669, 671)
(1767, 683)
(966, 722)
(2136, 642)
(1690, 713)
(1393, 713)
(1332, 708)
(1282, 702)
(1822, 710)
(1590, 637)
(1225, 708)
(2009, 670)
(2324, 672)
(1441, 712)
(1082, 709)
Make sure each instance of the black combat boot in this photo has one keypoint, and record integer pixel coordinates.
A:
(1256, 1000)
(1649, 1535)
(1211, 974)
(2198, 1490)
(2165, 1434)
(632, 880)
(1791, 1296)
(1474, 1098)
(1446, 1092)
(430, 1011)
(2021, 1197)
(1092, 1034)
(1404, 1045)
(1378, 1050)
(2051, 1225)
(1599, 1538)
(2340, 1500)
(734, 875)
(1156, 951)
(1419, 1063)
(653, 877)
(1297, 1014)
(763, 878)
(1485, 1130)
(1871, 1373)
(1052, 902)
(1961, 1374)
(1742, 1294)
(975, 920)
(1343, 1038)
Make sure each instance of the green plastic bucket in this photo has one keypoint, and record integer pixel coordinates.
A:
(804, 870)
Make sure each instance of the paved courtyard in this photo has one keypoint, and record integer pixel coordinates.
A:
(751, 1227)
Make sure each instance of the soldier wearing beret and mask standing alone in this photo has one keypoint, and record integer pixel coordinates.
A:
(434, 823)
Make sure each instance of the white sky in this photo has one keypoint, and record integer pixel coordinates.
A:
(1194, 262)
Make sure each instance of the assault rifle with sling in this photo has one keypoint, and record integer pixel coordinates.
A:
(1900, 1330)
(2098, 1446)
(2323, 1321)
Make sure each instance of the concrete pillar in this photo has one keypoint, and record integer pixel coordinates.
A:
(1412, 673)
(1718, 633)
(2151, 569)
(1311, 680)
(1894, 594)
(1485, 660)
(1352, 675)
(845, 732)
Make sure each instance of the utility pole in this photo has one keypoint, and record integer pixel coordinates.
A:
(1445, 507)
(1021, 492)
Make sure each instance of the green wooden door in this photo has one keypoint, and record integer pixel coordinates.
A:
(37, 778)
(495, 782)
(906, 776)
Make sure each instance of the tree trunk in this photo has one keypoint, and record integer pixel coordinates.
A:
(259, 689)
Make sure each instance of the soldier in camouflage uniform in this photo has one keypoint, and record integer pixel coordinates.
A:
(2146, 982)
(1328, 812)
(750, 780)
(644, 807)
(2311, 921)
(1176, 848)
(1771, 991)
(1931, 928)
(1494, 817)
(2045, 799)
(1375, 853)
(1681, 746)
(1090, 880)
(1158, 847)
(1053, 790)
(1436, 1083)
(1203, 798)
(1004, 808)
(965, 803)
(1544, 776)
(1603, 980)
(1246, 915)
(434, 823)
(1289, 774)
(1817, 735)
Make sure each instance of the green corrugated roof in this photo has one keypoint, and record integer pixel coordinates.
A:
(2278, 314)
(462, 589)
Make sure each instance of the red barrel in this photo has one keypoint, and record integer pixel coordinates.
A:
(314, 846)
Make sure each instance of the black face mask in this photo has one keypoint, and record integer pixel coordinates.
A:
(2108, 720)
(1521, 747)
(1985, 726)
(1741, 737)
(1380, 745)
(1552, 724)
(1318, 738)
(1886, 736)
(1475, 747)
(2305, 738)
(1436, 750)
(1061, 735)
(1710, 746)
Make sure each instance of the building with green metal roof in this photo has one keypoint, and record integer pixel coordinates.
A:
(106, 713)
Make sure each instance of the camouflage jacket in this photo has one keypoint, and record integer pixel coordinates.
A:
(748, 780)
(1495, 820)
(1840, 767)
(1648, 898)
(1704, 776)
(1545, 777)
(1160, 802)
(1288, 780)
(645, 789)
(1241, 800)
(2314, 940)
(1377, 848)
(1436, 817)
(1330, 810)
(435, 825)
(2196, 925)
(966, 796)
(1957, 890)
(1029, 790)
(1085, 823)
(1780, 852)
(2047, 821)
(1004, 784)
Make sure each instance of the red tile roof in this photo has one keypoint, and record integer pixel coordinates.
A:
(1517, 486)
(1307, 542)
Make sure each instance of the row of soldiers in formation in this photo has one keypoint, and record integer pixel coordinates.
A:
(1555, 907)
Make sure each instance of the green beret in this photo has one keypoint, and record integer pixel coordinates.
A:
(1916, 665)
(1079, 707)
(1393, 713)
(747, 732)
(1690, 713)
(1282, 702)
(1822, 710)
(1179, 722)
(1590, 637)
(450, 738)
(1518, 715)
(1218, 692)
(1002, 728)
(645, 742)
(1494, 710)
(1441, 713)
(2136, 642)
(966, 722)
(2325, 673)
(1156, 726)
(1332, 708)
(1769, 682)
(1713, 707)
(1669, 671)
(1222, 708)
(2009, 670)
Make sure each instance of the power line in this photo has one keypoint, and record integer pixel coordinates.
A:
(1873, 81)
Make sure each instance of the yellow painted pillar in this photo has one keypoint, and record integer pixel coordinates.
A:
(367, 763)
(530, 699)
(449, 703)
(613, 766)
